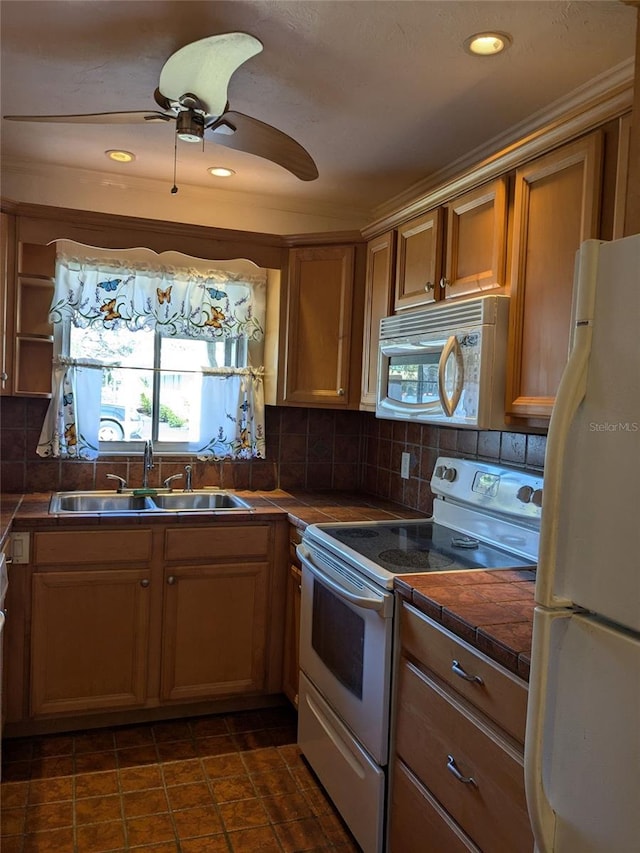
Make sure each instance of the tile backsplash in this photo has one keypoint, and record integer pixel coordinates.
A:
(306, 449)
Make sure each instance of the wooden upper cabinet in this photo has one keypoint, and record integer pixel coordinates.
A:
(476, 241)
(557, 204)
(418, 266)
(378, 297)
(7, 294)
(318, 346)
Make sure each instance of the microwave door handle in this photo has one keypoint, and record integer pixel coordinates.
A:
(451, 348)
(373, 603)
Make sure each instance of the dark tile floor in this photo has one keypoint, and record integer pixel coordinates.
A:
(233, 782)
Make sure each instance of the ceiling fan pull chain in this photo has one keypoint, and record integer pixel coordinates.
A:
(174, 188)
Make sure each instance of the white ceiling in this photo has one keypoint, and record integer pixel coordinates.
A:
(380, 93)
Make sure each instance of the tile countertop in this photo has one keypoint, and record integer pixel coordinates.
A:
(492, 611)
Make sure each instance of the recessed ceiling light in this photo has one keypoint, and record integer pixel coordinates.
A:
(487, 44)
(220, 172)
(120, 156)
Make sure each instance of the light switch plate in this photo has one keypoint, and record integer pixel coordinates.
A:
(404, 466)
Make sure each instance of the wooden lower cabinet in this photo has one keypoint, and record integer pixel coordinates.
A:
(170, 617)
(457, 777)
(214, 630)
(89, 640)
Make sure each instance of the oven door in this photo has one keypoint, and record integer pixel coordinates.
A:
(346, 635)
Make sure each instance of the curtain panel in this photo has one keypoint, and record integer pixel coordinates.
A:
(172, 295)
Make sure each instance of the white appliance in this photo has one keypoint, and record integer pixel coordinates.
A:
(485, 517)
(582, 752)
(445, 364)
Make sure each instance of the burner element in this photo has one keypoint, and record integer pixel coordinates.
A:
(464, 542)
(360, 533)
(416, 559)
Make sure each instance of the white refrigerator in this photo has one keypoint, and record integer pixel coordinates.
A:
(582, 750)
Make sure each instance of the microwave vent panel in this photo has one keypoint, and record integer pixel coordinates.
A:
(447, 316)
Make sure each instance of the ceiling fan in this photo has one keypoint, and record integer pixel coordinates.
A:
(192, 91)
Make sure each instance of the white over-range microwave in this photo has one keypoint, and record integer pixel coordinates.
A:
(445, 364)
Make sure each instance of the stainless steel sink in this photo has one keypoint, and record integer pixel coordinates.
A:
(201, 500)
(102, 502)
(114, 503)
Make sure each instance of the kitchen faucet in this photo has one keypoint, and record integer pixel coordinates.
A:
(188, 486)
(147, 463)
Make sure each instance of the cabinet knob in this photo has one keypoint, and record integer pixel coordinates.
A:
(4, 376)
(145, 582)
(444, 282)
(340, 392)
(524, 494)
(428, 286)
(171, 580)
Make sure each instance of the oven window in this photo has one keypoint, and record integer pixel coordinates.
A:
(337, 636)
(414, 378)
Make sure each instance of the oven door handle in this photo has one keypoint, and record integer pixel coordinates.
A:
(368, 603)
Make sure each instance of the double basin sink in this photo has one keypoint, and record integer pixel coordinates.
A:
(125, 503)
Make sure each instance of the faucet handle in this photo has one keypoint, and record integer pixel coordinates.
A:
(168, 481)
(122, 483)
(188, 487)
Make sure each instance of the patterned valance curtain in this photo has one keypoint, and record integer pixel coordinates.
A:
(133, 291)
(176, 296)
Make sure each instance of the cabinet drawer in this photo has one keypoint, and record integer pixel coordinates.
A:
(501, 695)
(418, 824)
(216, 542)
(433, 731)
(78, 547)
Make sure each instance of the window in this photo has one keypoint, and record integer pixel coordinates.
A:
(150, 351)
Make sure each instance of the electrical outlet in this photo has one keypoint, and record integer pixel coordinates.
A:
(19, 548)
(404, 466)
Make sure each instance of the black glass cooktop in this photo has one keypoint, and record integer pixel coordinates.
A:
(424, 547)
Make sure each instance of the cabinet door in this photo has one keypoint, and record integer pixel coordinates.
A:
(89, 638)
(476, 241)
(214, 630)
(379, 284)
(419, 262)
(318, 326)
(556, 208)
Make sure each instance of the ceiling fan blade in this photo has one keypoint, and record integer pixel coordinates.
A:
(205, 67)
(133, 117)
(263, 140)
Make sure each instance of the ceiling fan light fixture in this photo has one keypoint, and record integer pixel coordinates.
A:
(120, 156)
(487, 44)
(220, 172)
(190, 126)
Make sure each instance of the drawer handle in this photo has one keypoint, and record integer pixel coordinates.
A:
(451, 766)
(459, 670)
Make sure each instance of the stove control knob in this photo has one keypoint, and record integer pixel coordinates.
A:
(439, 472)
(536, 497)
(450, 474)
(524, 494)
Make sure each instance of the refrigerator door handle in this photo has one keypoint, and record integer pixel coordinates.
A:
(571, 392)
(541, 813)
